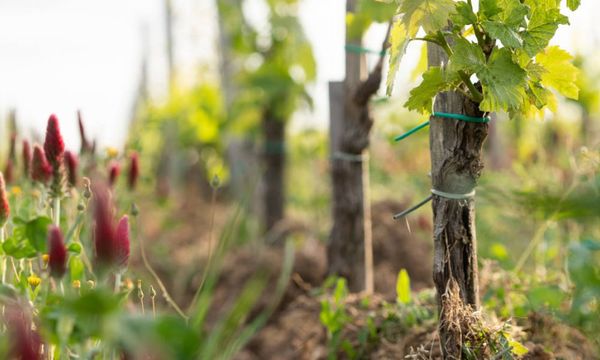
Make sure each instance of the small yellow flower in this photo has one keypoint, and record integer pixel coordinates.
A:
(111, 152)
(76, 284)
(16, 191)
(45, 258)
(33, 280)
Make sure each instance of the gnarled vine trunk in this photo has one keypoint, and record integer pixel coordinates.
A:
(456, 150)
(350, 245)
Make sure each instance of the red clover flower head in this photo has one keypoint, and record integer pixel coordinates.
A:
(54, 144)
(41, 171)
(4, 207)
(57, 262)
(114, 169)
(134, 170)
(71, 164)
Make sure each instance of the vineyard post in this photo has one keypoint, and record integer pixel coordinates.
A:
(345, 251)
(349, 251)
(456, 149)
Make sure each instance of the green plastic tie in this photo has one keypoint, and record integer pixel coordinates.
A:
(361, 50)
(461, 117)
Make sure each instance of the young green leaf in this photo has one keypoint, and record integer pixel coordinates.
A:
(432, 15)
(513, 12)
(76, 268)
(464, 15)
(467, 56)
(421, 66)
(503, 82)
(421, 97)
(506, 34)
(399, 38)
(489, 8)
(573, 4)
(378, 11)
(403, 287)
(543, 23)
(560, 73)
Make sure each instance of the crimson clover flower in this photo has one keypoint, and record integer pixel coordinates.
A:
(114, 169)
(134, 170)
(54, 145)
(71, 164)
(57, 262)
(105, 238)
(40, 168)
(25, 342)
(4, 207)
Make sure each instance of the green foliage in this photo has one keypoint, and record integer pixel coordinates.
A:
(421, 96)
(367, 12)
(28, 238)
(190, 121)
(277, 86)
(403, 288)
(503, 82)
(94, 312)
(515, 77)
(334, 317)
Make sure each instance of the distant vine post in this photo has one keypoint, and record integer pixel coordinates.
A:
(349, 252)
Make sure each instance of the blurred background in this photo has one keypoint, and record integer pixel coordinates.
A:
(187, 84)
(62, 55)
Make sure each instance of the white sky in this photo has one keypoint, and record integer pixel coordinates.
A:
(60, 55)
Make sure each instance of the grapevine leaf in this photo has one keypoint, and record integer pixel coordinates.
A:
(378, 11)
(508, 36)
(399, 38)
(537, 38)
(467, 56)
(573, 4)
(356, 25)
(503, 82)
(432, 15)
(509, 12)
(560, 73)
(489, 8)
(543, 23)
(421, 97)
(464, 15)
(421, 64)
(535, 71)
(513, 12)
(538, 95)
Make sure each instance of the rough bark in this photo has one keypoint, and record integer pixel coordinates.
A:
(349, 244)
(456, 151)
(274, 166)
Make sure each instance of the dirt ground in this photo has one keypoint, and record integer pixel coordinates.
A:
(296, 333)
(294, 330)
